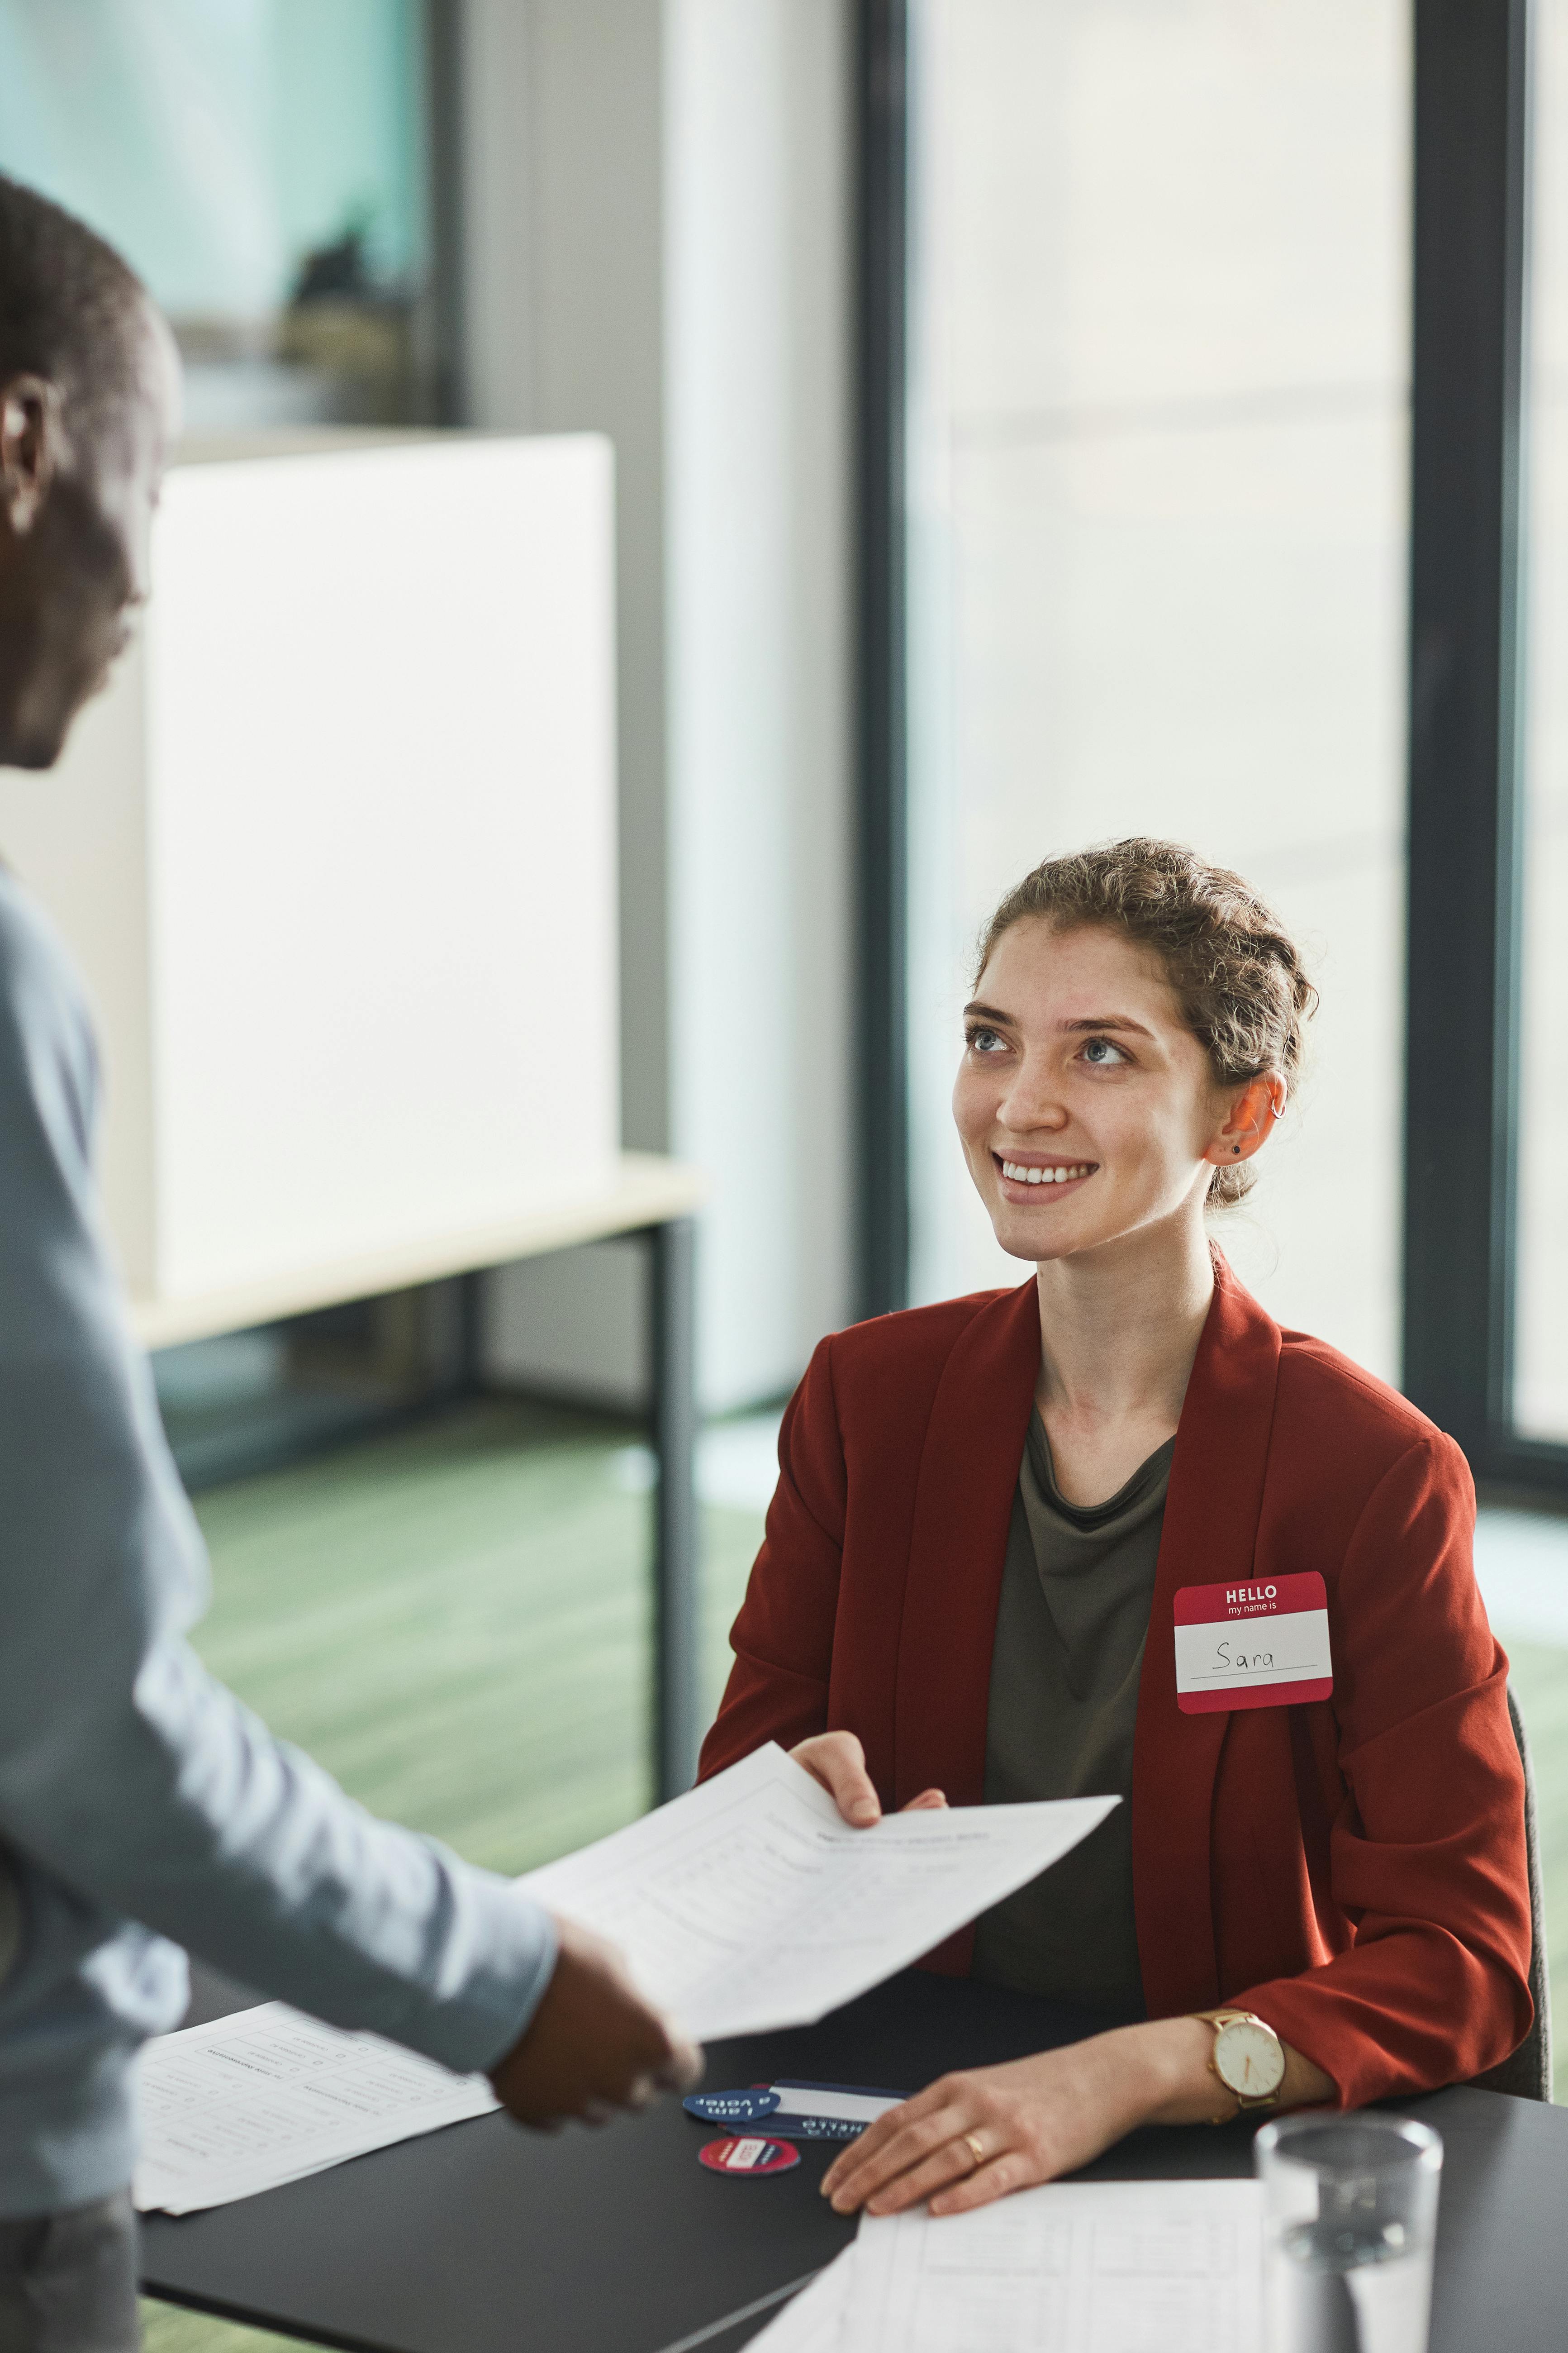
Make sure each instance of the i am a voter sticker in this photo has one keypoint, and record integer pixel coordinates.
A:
(747, 2107)
(1263, 1643)
(749, 2154)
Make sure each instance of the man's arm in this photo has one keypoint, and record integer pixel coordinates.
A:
(125, 1766)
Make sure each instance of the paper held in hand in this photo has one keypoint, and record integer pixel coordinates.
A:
(750, 1904)
(745, 1905)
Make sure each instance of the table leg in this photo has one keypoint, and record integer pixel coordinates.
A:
(676, 1709)
(468, 1375)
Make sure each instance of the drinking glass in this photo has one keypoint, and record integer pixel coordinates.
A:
(1350, 2217)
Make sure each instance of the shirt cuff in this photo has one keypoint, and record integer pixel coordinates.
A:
(495, 1984)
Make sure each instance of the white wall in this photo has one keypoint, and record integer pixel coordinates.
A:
(336, 853)
(381, 779)
(574, 1325)
(564, 302)
(659, 223)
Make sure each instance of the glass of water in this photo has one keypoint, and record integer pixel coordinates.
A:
(1350, 2217)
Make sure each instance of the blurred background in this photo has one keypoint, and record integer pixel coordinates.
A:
(1015, 425)
(266, 168)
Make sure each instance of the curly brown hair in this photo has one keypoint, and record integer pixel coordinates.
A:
(1238, 975)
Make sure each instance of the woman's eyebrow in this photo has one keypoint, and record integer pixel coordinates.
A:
(1109, 1021)
(978, 1012)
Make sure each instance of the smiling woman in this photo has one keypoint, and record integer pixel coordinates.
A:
(1115, 1532)
(1240, 992)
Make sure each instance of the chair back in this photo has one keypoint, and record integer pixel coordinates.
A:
(1527, 2072)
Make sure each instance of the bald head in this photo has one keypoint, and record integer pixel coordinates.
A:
(88, 388)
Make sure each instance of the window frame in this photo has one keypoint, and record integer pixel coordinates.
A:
(881, 883)
(1471, 102)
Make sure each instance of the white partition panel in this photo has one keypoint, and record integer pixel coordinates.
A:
(377, 766)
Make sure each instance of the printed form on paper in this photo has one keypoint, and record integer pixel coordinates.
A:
(745, 1905)
(749, 1904)
(1073, 2267)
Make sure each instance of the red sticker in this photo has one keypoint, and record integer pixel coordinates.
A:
(749, 2154)
(1259, 1643)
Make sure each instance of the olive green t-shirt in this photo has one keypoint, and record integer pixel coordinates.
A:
(1070, 1630)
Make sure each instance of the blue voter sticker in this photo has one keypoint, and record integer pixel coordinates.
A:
(749, 2156)
(747, 2107)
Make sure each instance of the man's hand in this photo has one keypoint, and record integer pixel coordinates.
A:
(837, 1760)
(593, 2045)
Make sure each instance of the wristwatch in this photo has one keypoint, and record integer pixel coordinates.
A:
(1247, 2057)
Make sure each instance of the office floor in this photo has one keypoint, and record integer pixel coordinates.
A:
(455, 1620)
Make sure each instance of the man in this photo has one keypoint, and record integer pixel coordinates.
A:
(141, 1808)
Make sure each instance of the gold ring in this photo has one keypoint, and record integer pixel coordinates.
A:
(972, 2143)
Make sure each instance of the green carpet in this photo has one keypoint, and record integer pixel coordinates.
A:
(455, 1620)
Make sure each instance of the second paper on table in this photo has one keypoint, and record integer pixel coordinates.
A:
(750, 1904)
(1072, 2267)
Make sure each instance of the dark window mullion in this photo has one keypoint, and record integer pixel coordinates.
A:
(1470, 210)
(881, 1073)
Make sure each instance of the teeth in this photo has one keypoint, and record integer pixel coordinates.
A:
(1018, 1173)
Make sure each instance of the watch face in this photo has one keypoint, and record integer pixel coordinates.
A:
(1248, 2059)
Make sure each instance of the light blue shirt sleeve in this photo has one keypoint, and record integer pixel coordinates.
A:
(125, 1770)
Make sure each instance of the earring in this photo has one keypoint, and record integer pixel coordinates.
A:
(1236, 1149)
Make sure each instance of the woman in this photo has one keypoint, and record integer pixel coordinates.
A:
(993, 1514)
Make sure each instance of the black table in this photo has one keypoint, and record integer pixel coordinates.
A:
(495, 2241)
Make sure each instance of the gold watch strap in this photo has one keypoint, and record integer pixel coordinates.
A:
(1247, 2104)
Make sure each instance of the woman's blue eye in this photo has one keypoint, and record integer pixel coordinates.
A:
(1101, 1054)
(984, 1042)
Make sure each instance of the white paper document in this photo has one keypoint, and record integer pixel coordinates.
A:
(267, 2097)
(745, 1905)
(812, 2321)
(749, 1904)
(1074, 2267)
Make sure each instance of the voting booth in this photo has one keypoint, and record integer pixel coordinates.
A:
(336, 856)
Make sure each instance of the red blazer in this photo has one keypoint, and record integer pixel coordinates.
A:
(1353, 1869)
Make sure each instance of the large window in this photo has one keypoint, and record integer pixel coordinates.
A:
(1157, 456)
(1540, 1327)
(262, 164)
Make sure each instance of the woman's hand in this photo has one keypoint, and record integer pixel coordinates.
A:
(837, 1760)
(971, 2137)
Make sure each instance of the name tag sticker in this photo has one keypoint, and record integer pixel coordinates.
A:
(1265, 1644)
(826, 2111)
